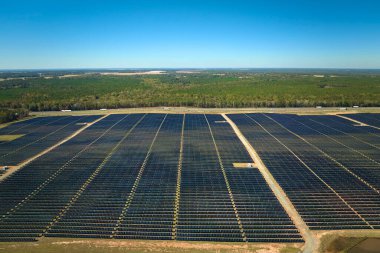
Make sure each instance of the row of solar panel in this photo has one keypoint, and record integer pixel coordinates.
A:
(34, 196)
(37, 134)
(371, 119)
(328, 167)
(134, 193)
(126, 177)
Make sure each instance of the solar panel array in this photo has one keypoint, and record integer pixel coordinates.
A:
(171, 177)
(261, 215)
(138, 176)
(359, 158)
(324, 169)
(372, 119)
(206, 211)
(37, 135)
(33, 196)
(149, 210)
(363, 135)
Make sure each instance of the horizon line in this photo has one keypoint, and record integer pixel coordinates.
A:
(187, 68)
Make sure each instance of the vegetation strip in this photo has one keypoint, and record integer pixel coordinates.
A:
(227, 182)
(310, 240)
(136, 183)
(8, 115)
(91, 178)
(315, 174)
(178, 186)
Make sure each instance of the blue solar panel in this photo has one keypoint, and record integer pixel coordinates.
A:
(37, 135)
(34, 195)
(372, 119)
(125, 177)
(325, 194)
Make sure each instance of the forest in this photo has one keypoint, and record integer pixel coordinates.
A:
(212, 88)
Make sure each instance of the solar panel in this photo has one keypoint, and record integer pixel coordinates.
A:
(33, 196)
(372, 119)
(188, 177)
(37, 135)
(324, 195)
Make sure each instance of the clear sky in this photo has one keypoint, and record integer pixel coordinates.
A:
(189, 33)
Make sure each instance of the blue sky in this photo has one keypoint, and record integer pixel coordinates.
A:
(179, 34)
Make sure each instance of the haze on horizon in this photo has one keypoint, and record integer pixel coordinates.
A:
(189, 34)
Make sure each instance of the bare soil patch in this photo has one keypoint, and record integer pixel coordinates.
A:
(154, 72)
(344, 240)
(60, 245)
(370, 245)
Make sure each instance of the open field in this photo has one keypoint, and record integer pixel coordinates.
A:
(207, 89)
(331, 242)
(345, 240)
(62, 245)
(138, 181)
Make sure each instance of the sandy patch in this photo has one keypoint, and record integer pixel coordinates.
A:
(154, 72)
(13, 78)
(68, 76)
(187, 72)
(177, 246)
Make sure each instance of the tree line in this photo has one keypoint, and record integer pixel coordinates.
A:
(8, 115)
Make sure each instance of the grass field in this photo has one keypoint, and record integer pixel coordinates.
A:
(344, 240)
(206, 89)
(10, 137)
